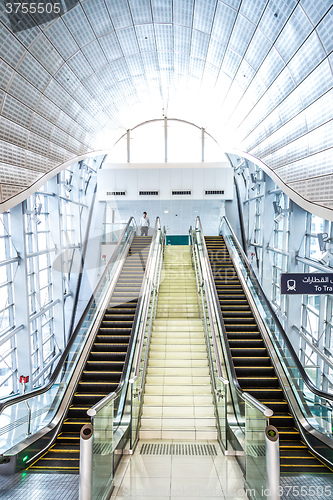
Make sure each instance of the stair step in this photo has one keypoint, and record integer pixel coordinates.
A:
(178, 372)
(177, 422)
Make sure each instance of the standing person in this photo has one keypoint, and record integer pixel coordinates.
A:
(144, 223)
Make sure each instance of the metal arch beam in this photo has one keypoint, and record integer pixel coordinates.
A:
(309, 206)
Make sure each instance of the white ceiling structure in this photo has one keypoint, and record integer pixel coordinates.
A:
(256, 74)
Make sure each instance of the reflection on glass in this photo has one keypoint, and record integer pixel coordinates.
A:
(44, 407)
(317, 411)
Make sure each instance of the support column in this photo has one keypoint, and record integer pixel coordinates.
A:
(165, 139)
(57, 272)
(294, 302)
(128, 146)
(267, 222)
(21, 291)
(202, 145)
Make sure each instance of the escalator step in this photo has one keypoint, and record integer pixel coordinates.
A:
(236, 327)
(86, 385)
(260, 382)
(104, 363)
(100, 376)
(290, 434)
(252, 371)
(261, 393)
(125, 305)
(276, 406)
(58, 464)
(88, 399)
(281, 420)
(288, 453)
(117, 347)
(245, 343)
(292, 445)
(108, 329)
(251, 361)
(109, 339)
(246, 335)
(306, 469)
(63, 454)
(252, 351)
(72, 447)
(116, 324)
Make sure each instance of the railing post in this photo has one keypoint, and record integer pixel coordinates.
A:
(86, 462)
(272, 462)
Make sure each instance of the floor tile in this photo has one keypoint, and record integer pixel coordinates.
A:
(149, 469)
(196, 469)
(202, 487)
(141, 486)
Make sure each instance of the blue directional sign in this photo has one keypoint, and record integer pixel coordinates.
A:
(306, 283)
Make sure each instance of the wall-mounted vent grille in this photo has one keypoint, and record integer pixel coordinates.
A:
(116, 193)
(148, 193)
(221, 191)
(181, 192)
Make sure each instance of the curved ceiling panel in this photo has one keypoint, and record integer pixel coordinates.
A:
(257, 74)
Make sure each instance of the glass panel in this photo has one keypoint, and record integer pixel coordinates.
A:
(255, 425)
(222, 412)
(103, 451)
(318, 412)
(112, 232)
(44, 407)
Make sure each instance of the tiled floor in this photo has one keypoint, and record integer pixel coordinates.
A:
(178, 477)
(23, 486)
(166, 477)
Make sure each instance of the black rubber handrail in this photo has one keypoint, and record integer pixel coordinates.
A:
(305, 377)
(112, 395)
(245, 396)
(54, 376)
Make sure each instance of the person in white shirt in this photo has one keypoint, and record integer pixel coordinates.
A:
(144, 224)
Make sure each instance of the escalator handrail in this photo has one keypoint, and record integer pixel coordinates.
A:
(201, 284)
(295, 358)
(197, 268)
(56, 372)
(113, 395)
(245, 396)
(139, 354)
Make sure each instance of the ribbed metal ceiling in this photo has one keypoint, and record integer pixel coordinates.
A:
(256, 74)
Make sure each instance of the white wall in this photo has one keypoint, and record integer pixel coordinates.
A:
(134, 177)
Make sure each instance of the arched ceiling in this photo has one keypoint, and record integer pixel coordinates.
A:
(257, 74)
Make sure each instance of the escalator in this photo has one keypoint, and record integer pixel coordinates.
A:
(253, 365)
(103, 368)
